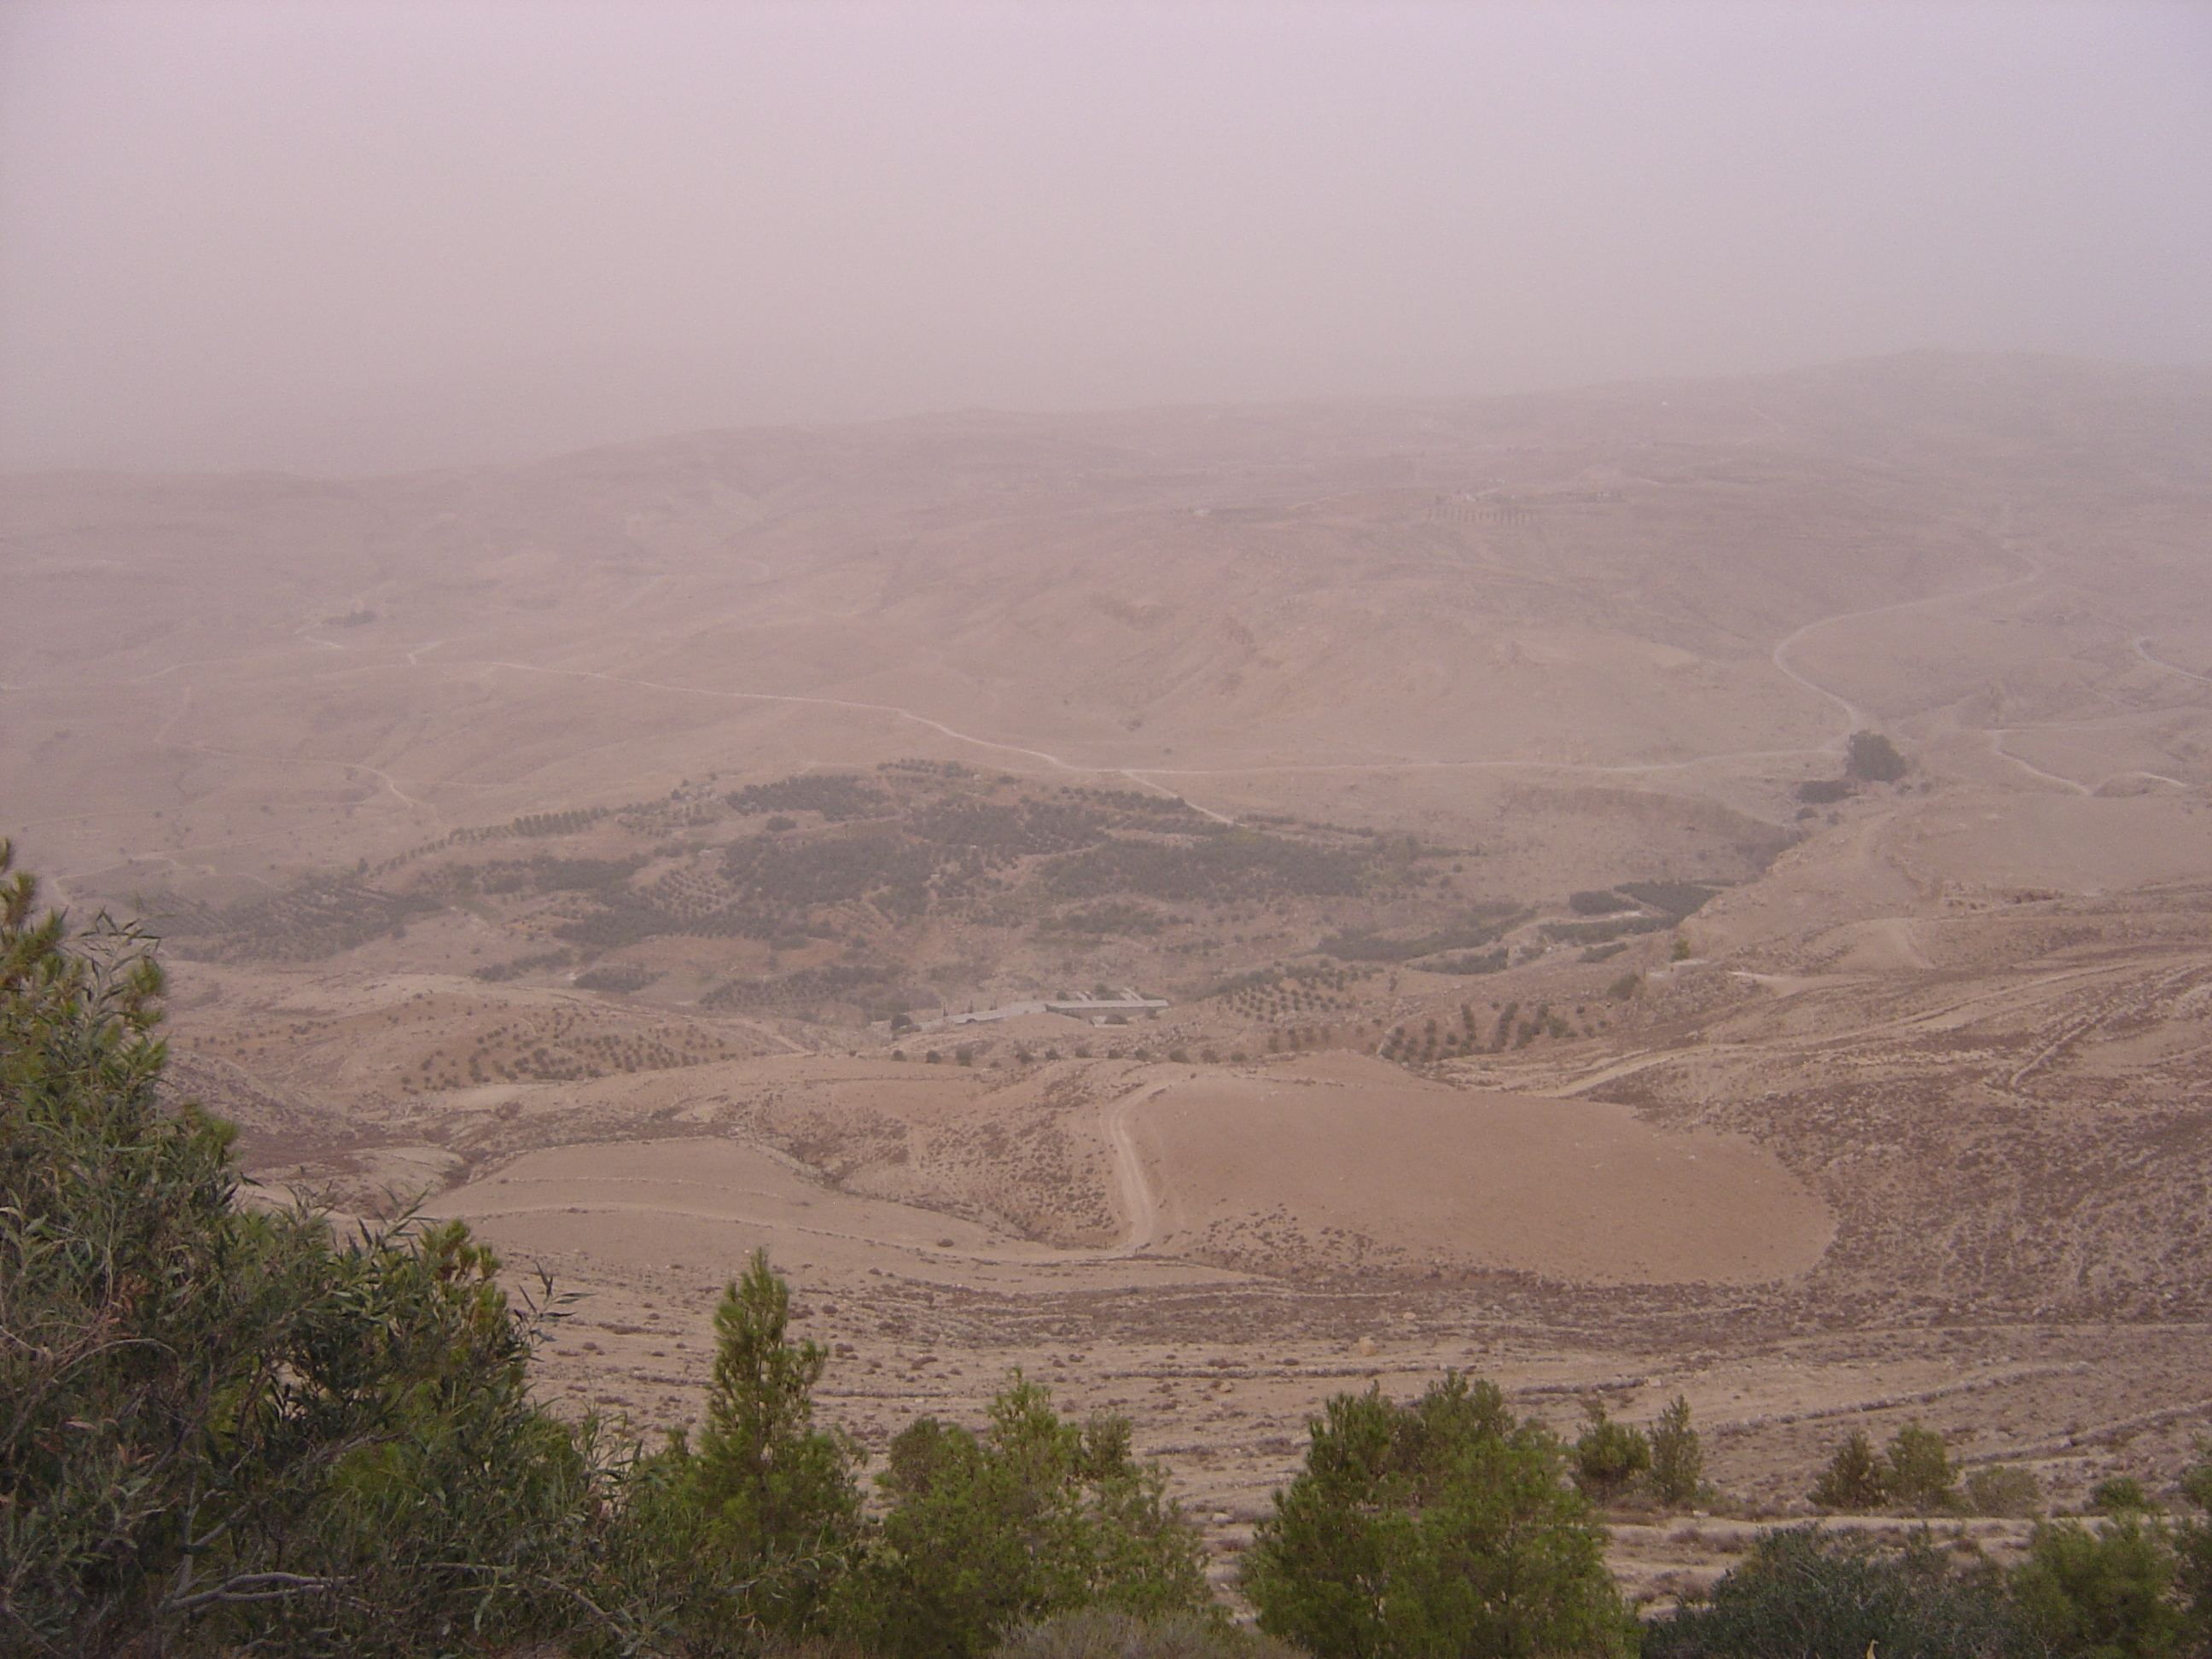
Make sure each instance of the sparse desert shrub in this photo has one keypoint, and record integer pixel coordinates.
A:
(2004, 1489)
(2120, 1494)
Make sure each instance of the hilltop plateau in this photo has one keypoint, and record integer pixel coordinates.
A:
(1696, 887)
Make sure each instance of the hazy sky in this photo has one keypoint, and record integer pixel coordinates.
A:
(345, 237)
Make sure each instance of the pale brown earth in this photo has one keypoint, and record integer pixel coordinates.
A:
(1908, 1118)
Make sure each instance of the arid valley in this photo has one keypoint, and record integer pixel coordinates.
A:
(1693, 888)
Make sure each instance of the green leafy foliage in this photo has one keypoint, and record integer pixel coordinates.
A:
(2121, 1494)
(2105, 1594)
(1678, 1457)
(2004, 1489)
(1854, 1480)
(1438, 1527)
(745, 1536)
(1917, 1473)
(1609, 1456)
(218, 1419)
(1035, 1516)
(1808, 1593)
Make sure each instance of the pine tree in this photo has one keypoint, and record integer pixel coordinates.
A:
(752, 1528)
(1853, 1479)
(1918, 1471)
(1678, 1457)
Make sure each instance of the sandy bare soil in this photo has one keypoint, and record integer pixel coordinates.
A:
(611, 851)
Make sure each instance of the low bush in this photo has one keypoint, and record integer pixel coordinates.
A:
(1808, 1593)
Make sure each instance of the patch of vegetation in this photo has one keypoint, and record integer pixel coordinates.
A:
(837, 796)
(1298, 983)
(1819, 1595)
(1598, 902)
(1602, 932)
(1008, 831)
(537, 962)
(1440, 1527)
(878, 992)
(618, 977)
(1488, 962)
(1676, 899)
(317, 916)
(1873, 758)
(1236, 866)
(1825, 792)
(1480, 925)
(1100, 920)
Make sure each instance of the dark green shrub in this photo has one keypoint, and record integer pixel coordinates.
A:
(2121, 1494)
(1034, 1517)
(2003, 1490)
(1438, 1529)
(1917, 1473)
(1854, 1480)
(1608, 1456)
(1678, 1457)
(2105, 1594)
(221, 1426)
(1806, 1593)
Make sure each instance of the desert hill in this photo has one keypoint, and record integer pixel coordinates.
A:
(616, 849)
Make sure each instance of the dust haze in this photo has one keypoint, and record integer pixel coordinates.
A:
(1220, 707)
(352, 238)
